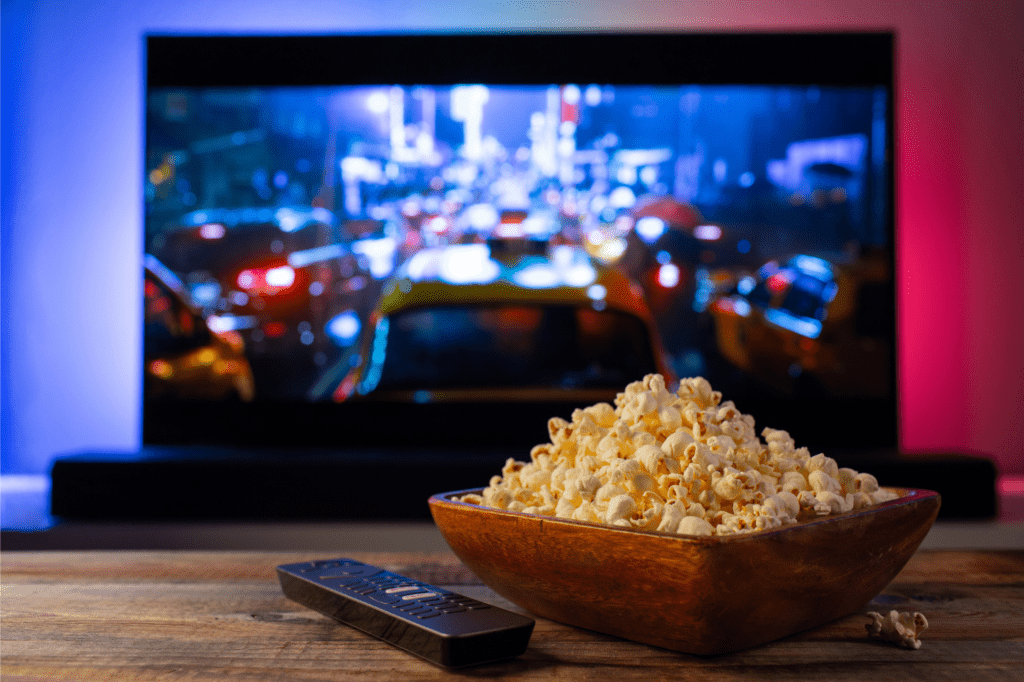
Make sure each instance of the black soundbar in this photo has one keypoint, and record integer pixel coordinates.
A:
(176, 483)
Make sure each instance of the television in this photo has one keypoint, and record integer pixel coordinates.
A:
(376, 265)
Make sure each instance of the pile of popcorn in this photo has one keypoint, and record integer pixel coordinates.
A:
(682, 462)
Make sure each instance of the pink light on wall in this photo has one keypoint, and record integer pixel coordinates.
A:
(961, 239)
(931, 256)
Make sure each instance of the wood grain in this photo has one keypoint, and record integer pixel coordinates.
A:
(88, 616)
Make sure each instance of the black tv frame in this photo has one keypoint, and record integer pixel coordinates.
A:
(701, 58)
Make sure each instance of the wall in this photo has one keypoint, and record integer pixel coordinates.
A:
(71, 169)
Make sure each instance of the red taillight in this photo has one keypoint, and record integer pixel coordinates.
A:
(161, 368)
(266, 281)
(778, 281)
(345, 390)
(233, 339)
(808, 345)
(274, 330)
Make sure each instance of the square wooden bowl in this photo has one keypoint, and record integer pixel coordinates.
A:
(699, 595)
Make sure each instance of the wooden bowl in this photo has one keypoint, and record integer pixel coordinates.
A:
(699, 595)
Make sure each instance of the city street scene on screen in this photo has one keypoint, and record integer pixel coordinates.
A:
(338, 244)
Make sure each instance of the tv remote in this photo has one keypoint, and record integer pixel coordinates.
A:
(438, 625)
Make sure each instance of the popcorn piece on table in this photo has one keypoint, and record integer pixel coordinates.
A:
(899, 628)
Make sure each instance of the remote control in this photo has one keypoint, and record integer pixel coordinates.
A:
(438, 625)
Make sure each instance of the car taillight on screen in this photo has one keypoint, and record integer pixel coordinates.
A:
(345, 389)
(266, 281)
(779, 281)
(275, 330)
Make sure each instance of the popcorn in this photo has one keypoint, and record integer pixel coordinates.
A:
(679, 462)
(899, 628)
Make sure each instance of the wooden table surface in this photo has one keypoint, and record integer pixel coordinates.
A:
(106, 615)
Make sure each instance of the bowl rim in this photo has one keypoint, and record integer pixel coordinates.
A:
(907, 496)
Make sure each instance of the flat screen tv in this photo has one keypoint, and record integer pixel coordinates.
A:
(397, 256)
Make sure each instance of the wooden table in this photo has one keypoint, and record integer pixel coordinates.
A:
(221, 615)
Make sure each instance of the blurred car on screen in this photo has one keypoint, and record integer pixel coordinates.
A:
(479, 322)
(810, 324)
(184, 358)
(267, 273)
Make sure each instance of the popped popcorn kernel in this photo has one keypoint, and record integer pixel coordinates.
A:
(679, 462)
(901, 628)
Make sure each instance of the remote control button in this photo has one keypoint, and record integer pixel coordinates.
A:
(431, 614)
(453, 609)
(383, 598)
(402, 588)
(419, 595)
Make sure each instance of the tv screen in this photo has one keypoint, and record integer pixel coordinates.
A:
(411, 243)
